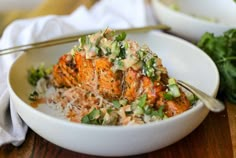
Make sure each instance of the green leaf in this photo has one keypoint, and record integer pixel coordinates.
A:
(121, 36)
(95, 114)
(110, 118)
(94, 117)
(148, 110)
(141, 54)
(159, 112)
(174, 90)
(142, 100)
(85, 119)
(115, 49)
(192, 98)
(138, 111)
(122, 53)
(82, 41)
(168, 96)
(116, 104)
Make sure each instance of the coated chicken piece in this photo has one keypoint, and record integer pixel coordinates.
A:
(108, 82)
(65, 72)
(175, 106)
(86, 73)
(132, 84)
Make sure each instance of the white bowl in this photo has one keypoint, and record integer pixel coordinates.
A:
(183, 60)
(190, 27)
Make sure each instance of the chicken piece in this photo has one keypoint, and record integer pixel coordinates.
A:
(132, 84)
(109, 82)
(65, 72)
(175, 106)
(152, 89)
(86, 73)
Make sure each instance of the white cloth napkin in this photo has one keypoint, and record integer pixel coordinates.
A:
(106, 13)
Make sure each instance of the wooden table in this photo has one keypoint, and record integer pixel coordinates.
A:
(214, 138)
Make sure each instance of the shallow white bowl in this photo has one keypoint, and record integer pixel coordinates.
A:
(190, 27)
(183, 60)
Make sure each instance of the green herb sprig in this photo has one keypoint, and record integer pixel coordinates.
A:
(222, 49)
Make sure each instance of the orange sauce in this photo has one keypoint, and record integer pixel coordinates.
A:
(37, 102)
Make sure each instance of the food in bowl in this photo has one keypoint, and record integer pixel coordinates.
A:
(176, 7)
(200, 17)
(108, 80)
(182, 60)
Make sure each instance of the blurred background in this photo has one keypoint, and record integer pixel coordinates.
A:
(11, 10)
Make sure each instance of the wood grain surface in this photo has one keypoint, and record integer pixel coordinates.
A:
(231, 109)
(212, 139)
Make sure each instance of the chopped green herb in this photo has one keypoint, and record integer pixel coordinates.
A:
(123, 102)
(118, 65)
(115, 49)
(110, 118)
(109, 110)
(173, 88)
(95, 114)
(116, 104)
(159, 112)
(121, 36)
(168, 96)
(148, 110)
(85, 119)
(142, 100)
(171, 81)
(122, 53)
(82, 41)
(149, 68)
(125, 44)
(138, 111)
(35, 74)
(75, 49)
(93, 117)
(108, 51)
(141, 54)
(98, 51)
(34, 96)
(108, 34)
(192, 98)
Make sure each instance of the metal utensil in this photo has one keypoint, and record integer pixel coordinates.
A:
(210, 102)
(75, 38)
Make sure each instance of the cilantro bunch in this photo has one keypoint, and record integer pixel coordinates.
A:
(222, 49)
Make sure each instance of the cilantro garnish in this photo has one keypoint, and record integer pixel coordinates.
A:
(222, 50)
(120, 37)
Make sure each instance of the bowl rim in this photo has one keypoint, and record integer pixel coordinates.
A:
(189, 17)
(65, 122)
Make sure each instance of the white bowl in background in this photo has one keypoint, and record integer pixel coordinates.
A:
(183, 61)
(189, 21)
